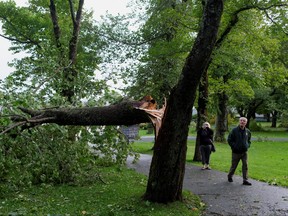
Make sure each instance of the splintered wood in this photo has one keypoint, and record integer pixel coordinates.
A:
(149, 105)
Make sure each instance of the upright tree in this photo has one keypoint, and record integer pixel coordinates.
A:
(168, 163)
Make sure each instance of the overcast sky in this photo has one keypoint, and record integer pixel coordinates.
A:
(98, 6)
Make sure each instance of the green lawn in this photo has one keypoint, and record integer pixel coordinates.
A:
(267, 160)
(119, 195)
(267, 132)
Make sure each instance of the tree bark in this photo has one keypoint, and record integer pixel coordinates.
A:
(222, 117)
(274, 119)
(123, 113)
(168, 163)
(201, 111)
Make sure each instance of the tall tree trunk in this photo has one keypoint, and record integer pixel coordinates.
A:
(274, 119)
(222, 117)
(69, 72)
(201, 111)
(267, 115)
(251, 110)
(168, 163)
(222, 113)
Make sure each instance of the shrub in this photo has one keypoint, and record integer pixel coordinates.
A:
(253, 126)
(48, 155)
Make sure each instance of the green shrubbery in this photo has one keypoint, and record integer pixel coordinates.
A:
(253, 126)
(48, 155)
(284, 121)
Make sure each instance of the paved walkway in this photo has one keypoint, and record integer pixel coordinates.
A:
(224, 198)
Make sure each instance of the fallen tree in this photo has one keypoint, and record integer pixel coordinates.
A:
(168, 164)
(126, 112)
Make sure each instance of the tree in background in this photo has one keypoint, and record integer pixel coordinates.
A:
(231, 71)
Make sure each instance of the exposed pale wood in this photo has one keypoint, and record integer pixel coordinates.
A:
(156, 116)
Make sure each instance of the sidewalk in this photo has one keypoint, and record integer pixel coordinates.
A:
(224, 198)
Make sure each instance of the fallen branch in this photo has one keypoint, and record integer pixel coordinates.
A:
(124, 113)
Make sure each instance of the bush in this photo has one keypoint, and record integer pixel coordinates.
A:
(42, 155)
(284, 121)
(49, 155)
(253, 126)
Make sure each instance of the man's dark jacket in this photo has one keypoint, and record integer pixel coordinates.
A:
(239, 140)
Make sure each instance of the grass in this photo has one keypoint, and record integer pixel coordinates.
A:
(267, 161)
(119, 195)
(267, 132)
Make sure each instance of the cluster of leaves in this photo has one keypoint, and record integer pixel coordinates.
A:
(249, 63)
(54, 154)
(108, 144)
(41, 155)
(168, 33)
(46, 154)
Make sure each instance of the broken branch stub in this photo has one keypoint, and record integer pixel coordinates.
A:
(156, 115)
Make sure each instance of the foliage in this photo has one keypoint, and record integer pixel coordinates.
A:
(55, 154)
(284, 120)
(248, 63)
(108, 144)
(42, 70)
(42, 156)
(167, 35)
(253, 126)
(54, 157)
(119, 193)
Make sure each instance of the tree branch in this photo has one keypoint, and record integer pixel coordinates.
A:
(124, 113)
(76, 28)
(56, 28)
(27, 40)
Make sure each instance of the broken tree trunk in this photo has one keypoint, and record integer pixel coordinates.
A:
(124, 113)
(169, 157)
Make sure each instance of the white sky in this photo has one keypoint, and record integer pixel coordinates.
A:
(98, 6)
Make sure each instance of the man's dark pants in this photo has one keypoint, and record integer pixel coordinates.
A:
(235, 161)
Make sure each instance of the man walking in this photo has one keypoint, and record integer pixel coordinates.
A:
(239, 140)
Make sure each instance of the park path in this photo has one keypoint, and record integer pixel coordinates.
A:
(227, 199)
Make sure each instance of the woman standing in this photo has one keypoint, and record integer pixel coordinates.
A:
(206, 142)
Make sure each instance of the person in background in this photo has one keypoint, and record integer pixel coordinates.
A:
(239, 140)
(206, 140)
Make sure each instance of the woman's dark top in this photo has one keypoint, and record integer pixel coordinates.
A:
(206, 136)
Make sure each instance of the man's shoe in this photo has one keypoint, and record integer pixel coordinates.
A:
(246, 183)
(230, 179)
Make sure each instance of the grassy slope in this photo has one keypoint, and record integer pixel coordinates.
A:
(120, 195)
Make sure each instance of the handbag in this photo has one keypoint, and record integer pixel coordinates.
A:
(213, 149)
